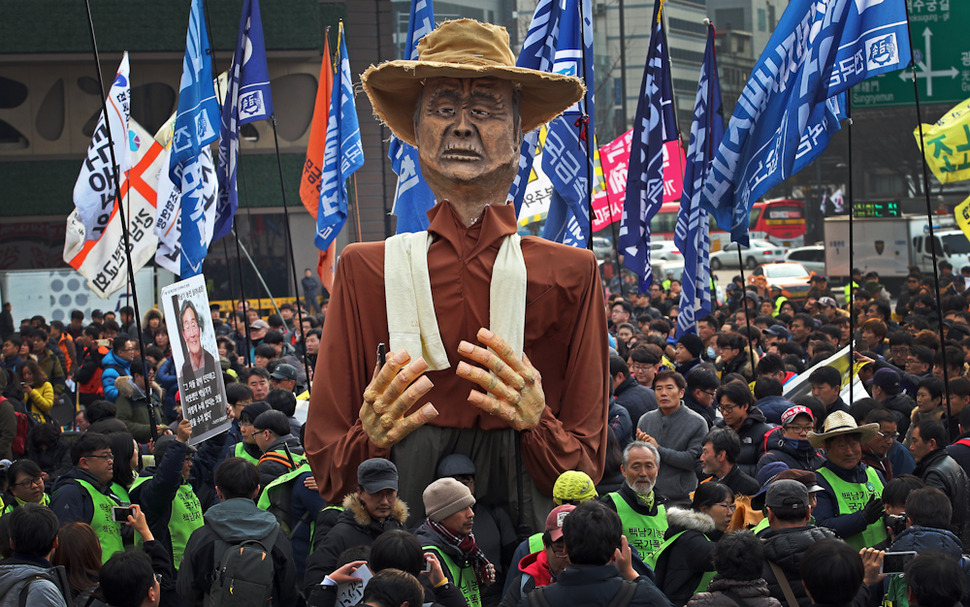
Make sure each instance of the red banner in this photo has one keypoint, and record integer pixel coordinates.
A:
(615, 158)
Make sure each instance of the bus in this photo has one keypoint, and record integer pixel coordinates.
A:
(780, 222)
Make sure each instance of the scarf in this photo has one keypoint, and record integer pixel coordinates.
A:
(411, 321)
(468, 549)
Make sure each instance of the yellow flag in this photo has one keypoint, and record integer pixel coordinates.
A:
(962, 213)
(946, 144)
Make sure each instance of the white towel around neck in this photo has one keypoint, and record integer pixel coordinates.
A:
(411, 320)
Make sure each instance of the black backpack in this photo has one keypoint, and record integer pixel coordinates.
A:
(244, 573)
(55, 575)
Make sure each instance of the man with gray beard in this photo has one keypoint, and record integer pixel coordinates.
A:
(642, 512)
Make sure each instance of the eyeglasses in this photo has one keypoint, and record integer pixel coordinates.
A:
(30, 482)
(639, 368)
(730, 507)
(710, 393)
(110, 458)
(888, 435)
(800, 429)
(559, 549)
(726, 408)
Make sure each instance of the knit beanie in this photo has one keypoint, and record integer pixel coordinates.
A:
(445, 497)
(693, 344)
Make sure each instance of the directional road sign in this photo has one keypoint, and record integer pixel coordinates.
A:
(941, 51)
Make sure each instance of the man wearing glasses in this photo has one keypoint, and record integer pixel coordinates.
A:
(116, 364)
(790, 444)
(875, 453)
(83, 493)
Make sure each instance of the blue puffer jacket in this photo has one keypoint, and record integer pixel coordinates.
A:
(919, 539)
(110, 365)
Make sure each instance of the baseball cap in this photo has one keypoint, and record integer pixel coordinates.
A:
(555, 519)
(777, 331)
(792, 412)
(456, 464)
(284, 371)
(887, 379)
(376, 474)
(818, 278)
(259, 323)
(827, 302)
(786, 494)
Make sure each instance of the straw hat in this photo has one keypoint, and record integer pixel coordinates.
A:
(838, 424)
(465, 48)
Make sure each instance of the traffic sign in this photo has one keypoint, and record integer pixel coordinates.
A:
(941, 51)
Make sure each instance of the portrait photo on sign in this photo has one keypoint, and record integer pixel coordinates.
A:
(196, 357)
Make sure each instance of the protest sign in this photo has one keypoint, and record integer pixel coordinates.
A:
(186, 307)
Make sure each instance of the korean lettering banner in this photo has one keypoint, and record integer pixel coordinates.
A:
(196, 356)
(946, 144)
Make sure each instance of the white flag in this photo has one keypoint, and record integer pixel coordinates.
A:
(102, 260)
(96, 190)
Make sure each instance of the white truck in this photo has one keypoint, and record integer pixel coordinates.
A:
(890, 245)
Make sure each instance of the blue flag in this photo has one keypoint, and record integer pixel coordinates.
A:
(195, 129)
(561, 41)
(413, 197)
(692, 233)
(247, 100)
(343, 153)
(793, 101)
(654, 125)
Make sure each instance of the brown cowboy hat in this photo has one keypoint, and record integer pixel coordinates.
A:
(465, 48)
(840, 423)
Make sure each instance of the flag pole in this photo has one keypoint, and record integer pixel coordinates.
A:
(353, 178)
(121, 213)
(951, 428)
(851, 193)
(584, 125)
(289, 240)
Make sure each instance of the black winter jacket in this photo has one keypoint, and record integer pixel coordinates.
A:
(799, 455)
(785, 548)
(683, 563)
(752, 433)
(938, 469)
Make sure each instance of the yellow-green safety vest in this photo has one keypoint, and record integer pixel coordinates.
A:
(186, 517)
(265, 499)
(535, 543)
(644, 532)
(107, 530)
(462, 577)
(240, 451)
(853, 497)
(8, 507)
(761, 526)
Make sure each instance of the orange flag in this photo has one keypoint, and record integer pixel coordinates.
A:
(310, 182)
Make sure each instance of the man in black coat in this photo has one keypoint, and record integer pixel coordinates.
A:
(938, 469)
(372, 510)
(600, 564)
(630, 395)
(788, 536)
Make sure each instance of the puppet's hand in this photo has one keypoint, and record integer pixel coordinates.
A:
(513, 385)
(393, 390)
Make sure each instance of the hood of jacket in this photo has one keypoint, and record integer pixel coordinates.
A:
(77, 474)
(354, 508)
(918, 539)
(755, 416)
(785, 547)
(292, 442)
(900, 402)
(537, 566)
(680, 519)
(238, 519)
(12, 575)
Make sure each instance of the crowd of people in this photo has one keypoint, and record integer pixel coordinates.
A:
(716, 484)
(660, 471)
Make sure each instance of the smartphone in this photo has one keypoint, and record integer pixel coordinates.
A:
(120, 514)
(381, 355)
(895, 562)
(427, 565)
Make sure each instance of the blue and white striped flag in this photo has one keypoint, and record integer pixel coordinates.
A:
(247, 100)
(195, 129)
(692, 234)
(793, 101)
(343, 153)
(654, 126)
(561, 41)
(413, 197)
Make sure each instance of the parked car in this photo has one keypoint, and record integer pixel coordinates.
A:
(665, 250)
(760, 251)
(792, 277)
(812, 257)
(602, 246)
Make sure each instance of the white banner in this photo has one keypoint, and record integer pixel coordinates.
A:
(95, 190)
(102, 260)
